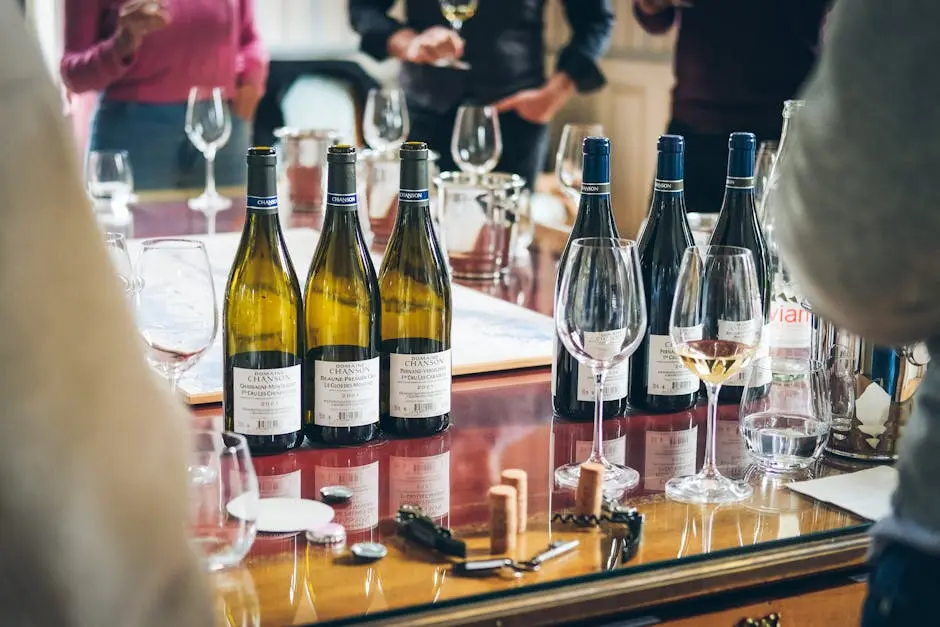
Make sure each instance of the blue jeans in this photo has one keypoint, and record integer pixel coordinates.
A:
(902, 588)
(161, 155)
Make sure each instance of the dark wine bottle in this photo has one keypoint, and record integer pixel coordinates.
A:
(414, 286)
(659, 382)
(738, 226)
(342, 318)
(572, 382)
(262, 324)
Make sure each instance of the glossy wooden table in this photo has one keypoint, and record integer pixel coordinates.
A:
(505, 421)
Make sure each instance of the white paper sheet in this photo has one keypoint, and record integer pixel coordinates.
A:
(866, 493)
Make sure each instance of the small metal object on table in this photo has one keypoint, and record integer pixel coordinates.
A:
(369, 551)
(335, 494)
(415, 526)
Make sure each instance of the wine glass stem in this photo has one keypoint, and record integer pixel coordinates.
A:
(174, 380)
(210, 174)
(710, 467)
(456, 25)
(597, 446)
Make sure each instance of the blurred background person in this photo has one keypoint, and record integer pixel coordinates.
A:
(503, 45)
(858, 226)
(143, 56)
(94, 525)
(735, 63)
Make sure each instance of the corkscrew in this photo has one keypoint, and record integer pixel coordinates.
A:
(503, 566)
(414, 525)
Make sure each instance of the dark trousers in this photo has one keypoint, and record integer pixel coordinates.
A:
(902, 589)
(706, 165)
(524, 143)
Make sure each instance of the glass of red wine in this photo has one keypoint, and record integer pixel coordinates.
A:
(177, 313)
(715, 327)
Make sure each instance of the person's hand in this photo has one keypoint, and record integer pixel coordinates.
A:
(246, 100)
(136, 19)
(539, 105)
(435, 44)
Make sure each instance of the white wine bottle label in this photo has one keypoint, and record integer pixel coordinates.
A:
(363, 510)
(743, 331)
(263, 204)
(286, 486)
(421, 481)
(615, 450)
(346, 393)
(413, 195)
(666, 376)
(267, 401)
(419, 385)
(342, 201)
(668, 454)
(791, 325)
(604, 345)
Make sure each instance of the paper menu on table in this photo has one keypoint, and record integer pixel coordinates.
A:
(488, 334)
(866, 493)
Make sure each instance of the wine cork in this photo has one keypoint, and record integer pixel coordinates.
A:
(518, 479)
(590, 493)
(503, 501)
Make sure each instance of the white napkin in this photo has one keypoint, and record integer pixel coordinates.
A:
(866, 493)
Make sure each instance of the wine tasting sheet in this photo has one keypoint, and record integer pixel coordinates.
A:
(488, 334)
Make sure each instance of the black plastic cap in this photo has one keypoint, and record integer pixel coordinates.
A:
(414, 151)
(262, 156)
(341, 153)
(596, 146)
(742, 141)
(671, 144)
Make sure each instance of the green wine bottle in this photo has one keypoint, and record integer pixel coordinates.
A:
(414, 284)
(342, 315)
(262, 324)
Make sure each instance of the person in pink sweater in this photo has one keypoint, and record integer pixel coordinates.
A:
(142, 57)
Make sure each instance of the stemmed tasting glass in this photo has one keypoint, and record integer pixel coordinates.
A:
(600, 317)
(223, 498)
(385, 122)
(176, 306)
(569, 159)
(715, 327)
(766, 156)
(785, 412)
(109, 181)
(456, 12)
(477, 143)
(121, 260)
(208, 127)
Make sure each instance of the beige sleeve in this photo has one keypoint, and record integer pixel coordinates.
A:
(860, 214)
(93, 498)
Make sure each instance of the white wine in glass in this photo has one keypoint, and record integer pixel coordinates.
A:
(456, 12)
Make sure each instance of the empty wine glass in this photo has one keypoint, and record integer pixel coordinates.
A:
(121, 260)
(223, 498)
(208, 127)
(766, 156)
(385, 122)
(176, 306)
(109, 180)
(786, 425)
(476, 144)
(842, 389)
(715, 326)
(456, 12)
(570, 156)
(600, 317)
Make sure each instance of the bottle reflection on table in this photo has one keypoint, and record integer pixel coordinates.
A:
(731, 454)
(359, 470)
(571, 443)
(360, 586)
(698, 537)
(665, 446)
(419, 474)
(235, 598)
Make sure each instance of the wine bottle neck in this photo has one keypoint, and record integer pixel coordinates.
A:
(414, 199)
(262, 189)
(668, 189)
(739, 185)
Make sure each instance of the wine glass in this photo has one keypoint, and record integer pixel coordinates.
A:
(109, 180)
(456, 12)
(569, 160)
(842, 389)
(385, 122)
(476, 144)
(223, 498)
(176, 306)
(715, 326)
(766, 156)
(600, 317)
(121, 260)
(208, 127)
(786, 422)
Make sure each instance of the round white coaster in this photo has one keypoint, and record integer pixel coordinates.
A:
(284, 515)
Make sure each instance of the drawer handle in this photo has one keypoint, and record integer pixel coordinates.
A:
(771, 620)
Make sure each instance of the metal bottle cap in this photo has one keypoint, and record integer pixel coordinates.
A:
(369, 551)
(330, 533)
(333, 494)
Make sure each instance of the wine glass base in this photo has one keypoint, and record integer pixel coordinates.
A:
(209, 204)
(700, 490)
(617, 479)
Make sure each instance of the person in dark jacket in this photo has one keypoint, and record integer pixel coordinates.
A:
(504, 48)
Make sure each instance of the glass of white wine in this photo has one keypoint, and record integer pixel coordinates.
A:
(456, 12)
(716, 297)
(208, 126)
(176, 306)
